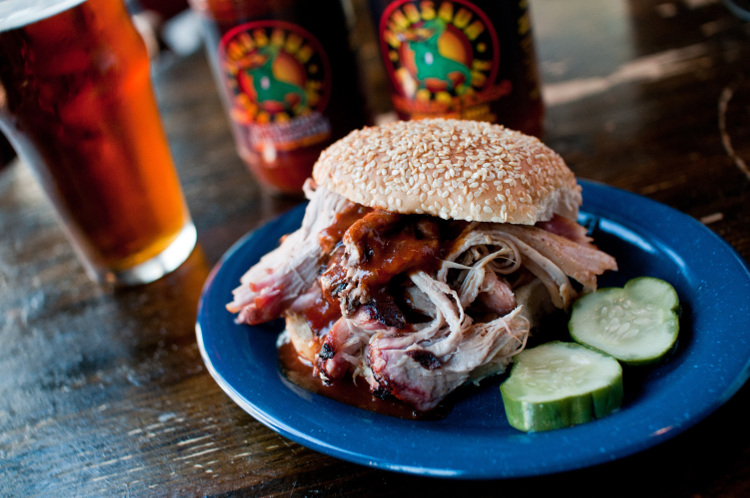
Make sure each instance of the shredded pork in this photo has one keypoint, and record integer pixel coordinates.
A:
(289, 271)
(469, 318)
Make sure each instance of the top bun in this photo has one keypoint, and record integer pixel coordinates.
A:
(454, 169)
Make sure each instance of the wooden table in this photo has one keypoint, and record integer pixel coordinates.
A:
(105, 393)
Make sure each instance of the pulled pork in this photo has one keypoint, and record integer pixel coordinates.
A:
(414, 304)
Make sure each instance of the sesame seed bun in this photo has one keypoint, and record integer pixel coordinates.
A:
(454, 169)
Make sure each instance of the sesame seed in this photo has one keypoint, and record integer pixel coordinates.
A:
(465, 165)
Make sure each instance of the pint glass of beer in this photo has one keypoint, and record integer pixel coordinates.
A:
(76, 103)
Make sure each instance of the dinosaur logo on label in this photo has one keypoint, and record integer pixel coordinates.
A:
(442, 58)
(277, 78)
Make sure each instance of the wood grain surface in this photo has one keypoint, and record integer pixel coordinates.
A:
(103, 392)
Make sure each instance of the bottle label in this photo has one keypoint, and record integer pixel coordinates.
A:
(443, 59)
(277, 77)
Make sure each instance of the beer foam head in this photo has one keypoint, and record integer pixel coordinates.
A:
(17, 13)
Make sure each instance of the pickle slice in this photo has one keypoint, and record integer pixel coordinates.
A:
(637, 324)
(561, 384)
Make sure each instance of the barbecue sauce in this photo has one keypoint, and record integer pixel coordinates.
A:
(389, 244)
(345, 390)
(322, 314)
(332, 235)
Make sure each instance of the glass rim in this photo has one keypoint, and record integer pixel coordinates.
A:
(17, 13)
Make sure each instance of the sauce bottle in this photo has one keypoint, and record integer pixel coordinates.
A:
(289, 81)
(468, 59)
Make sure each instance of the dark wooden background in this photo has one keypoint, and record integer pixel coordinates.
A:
(104, 392)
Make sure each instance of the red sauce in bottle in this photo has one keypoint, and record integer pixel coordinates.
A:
(289, 79)
(468, 59)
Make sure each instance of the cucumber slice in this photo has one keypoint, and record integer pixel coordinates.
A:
(560, 384)
(637, 324)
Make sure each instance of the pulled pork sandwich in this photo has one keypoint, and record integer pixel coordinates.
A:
(425, 257)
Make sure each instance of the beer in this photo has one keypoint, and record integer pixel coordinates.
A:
(289, 81)
(77, 104)
(469, 59)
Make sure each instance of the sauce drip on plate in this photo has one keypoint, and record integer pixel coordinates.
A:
(345, 390)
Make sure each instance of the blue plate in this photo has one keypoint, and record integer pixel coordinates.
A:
(474, 441)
